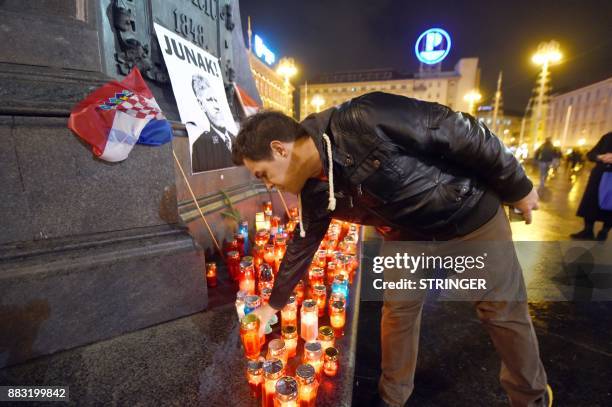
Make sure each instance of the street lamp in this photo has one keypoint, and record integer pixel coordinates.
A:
(548, 54)
(472, 97)
(317, 101)
(286, 68)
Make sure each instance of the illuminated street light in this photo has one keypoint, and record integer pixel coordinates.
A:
(548, 53)
(472, 97)
(317, 101)
(286, 68)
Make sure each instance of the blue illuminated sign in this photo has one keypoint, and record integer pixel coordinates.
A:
(432, 46)
(263, 52)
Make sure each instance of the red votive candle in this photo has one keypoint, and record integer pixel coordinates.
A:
(211, 274)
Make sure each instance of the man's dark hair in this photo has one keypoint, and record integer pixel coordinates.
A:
(257, 131)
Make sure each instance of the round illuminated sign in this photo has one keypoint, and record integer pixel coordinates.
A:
(432, 46)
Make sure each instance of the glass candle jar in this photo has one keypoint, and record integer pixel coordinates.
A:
(330, 362)
(320, 259)
(243, 229)
(340, 285)
(266, 277)
(286, 392)
(247, 276)
(313, 355)
(298, 291)
(307, 385)
(274, 223)
(330, 273)
(289, 313)
(289, 335)
(278, 350)
(316, 276)
(326, 337)
(337, 319)
(262, 237)
(239, 238)
(269, 255)
(251, 302)
(319, 294)
(309, 320)
(267, 208)
(249, 335)
(333, 297)
(240, 295)
(233, 264)
(255, 377)
(231, 245)
(211, 274)
(273, 370)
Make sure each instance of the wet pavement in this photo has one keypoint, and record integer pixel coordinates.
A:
(457, 365)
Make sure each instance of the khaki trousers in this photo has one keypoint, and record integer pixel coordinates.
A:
(508, 323)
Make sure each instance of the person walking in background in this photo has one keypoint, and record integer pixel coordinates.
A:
(589, 208)
(545, 154)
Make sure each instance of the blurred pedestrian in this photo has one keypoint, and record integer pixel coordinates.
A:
(590, 206)
(544, 155)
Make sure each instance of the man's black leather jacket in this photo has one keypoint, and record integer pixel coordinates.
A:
(416, 167)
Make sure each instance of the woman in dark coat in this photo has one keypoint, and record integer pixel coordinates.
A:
(589, 208)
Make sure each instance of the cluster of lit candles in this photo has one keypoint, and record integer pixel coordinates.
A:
(324, 293)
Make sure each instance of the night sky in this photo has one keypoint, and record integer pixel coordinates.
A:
(336, 35)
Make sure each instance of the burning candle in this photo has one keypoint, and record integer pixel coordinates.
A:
(251, 303)
(267, 208)
(337, 319)
(326, 337)
(239, 238)
(261, 223)
(350, 245)
(333, 298)
(247, 276)
(340, 285)
(319, 294)
(240, 304)
(262, 237)
(330, 362)
(278, 350)
(274, 223)
(289, 335)
(233, 264)
(307, 385)
(316, 276)
(269, 254)
(294, 213)
(249, 334)
(320, 259)
(211, 274)
(298, 291)
(309, 320)
(331, 272)
(289, 313)
(313, 355)
(286, 392)
(266, 277)
(273, 370)
(255, 377)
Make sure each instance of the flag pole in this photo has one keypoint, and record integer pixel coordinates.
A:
(284, 203)
(197, 205)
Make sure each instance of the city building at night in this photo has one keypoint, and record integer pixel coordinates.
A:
(581, 116)
(275, 90)
(445, 87)
(507, 126)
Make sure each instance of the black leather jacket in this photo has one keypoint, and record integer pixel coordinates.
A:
(416, 167)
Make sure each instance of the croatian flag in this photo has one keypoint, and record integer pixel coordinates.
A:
(118, 115)
(249, 106)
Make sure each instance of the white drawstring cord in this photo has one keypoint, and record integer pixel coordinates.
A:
(331, 203)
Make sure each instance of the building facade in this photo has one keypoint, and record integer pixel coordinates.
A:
(581, 116)
(445, 87)
(507, 125)
(276, 93)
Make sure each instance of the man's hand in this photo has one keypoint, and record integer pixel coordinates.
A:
(264, 313)
(605, 158)
(527, 204)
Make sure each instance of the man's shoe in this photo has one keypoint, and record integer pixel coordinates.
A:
(583, 235)
(602, 236)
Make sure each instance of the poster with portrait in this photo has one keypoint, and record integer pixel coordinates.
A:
(202, 104)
